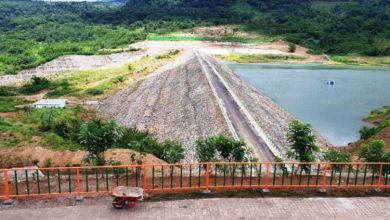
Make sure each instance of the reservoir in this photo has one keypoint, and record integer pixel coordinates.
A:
(336, 111)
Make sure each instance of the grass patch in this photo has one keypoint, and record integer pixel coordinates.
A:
(12, 127)
(262, 39)
(7, 91)
(244, 58)
(381, 112)
(53, 141)
(362, 60)
(101, 82)
(56, 128)
(11, 105)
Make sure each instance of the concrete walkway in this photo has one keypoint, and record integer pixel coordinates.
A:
(220, 208)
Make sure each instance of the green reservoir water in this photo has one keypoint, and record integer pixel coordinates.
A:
(335, 111)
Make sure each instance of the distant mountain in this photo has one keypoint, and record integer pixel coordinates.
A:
(83, 0)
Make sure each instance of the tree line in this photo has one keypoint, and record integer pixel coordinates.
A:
(32, 33)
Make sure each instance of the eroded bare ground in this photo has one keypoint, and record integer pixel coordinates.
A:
(273, 119)
(74, 62)
(151, 48)
(175, 104)
(24, 156)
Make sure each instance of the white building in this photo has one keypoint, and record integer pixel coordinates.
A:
(50, 103)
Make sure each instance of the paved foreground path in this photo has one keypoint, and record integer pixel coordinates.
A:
(221, 208)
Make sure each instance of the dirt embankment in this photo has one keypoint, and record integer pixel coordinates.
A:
(27, 156)
(175, 104)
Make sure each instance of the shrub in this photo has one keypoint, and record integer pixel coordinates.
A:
(60, 88)
(118, 79)
(291, 48)
(372, 152)
(35, 162)
(367, 132)
(116, 171)
(48, 163)
(37, 84)
(6, 91)
(90, 159)
(314, 52)
(228, 148)
(173, 151)
(334, 155)
(95, 91)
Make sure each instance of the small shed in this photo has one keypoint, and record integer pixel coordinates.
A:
(50, 103)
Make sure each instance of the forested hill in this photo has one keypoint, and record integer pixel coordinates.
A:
(33, 32)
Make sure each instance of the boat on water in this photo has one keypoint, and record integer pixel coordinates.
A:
(330, 82)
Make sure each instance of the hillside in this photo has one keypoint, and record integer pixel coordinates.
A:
(380, 119)
(33, 33)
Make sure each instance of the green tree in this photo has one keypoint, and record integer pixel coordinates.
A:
(37, 84)
(367, 132)
(98, 136)
(372, 152)
(173, 151)
(302, 142)
(228, 148)
(334, 155)
(205, 150)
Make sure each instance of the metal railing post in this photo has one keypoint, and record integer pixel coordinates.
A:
(144, 175)
(6, 188)
(325, 171)
(78, 181)
(207, 175)
(267, 175)
(380, 174)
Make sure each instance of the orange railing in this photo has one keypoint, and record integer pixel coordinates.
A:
(22, 182)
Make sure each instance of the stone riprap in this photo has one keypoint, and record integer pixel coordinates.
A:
(273, 119)
(176, 104)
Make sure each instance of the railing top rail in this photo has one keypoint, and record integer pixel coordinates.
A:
(198, 164)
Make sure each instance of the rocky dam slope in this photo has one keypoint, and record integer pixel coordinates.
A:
(179, 104)
(176, 104)
(272, 118)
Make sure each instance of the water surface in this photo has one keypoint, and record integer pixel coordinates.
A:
(335, 111)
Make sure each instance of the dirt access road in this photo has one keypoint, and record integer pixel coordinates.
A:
(240, 122)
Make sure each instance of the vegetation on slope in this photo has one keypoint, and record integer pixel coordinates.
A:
(77, 128)
(381, 120)
(377, 135)
(32, 33)
(245, 58)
